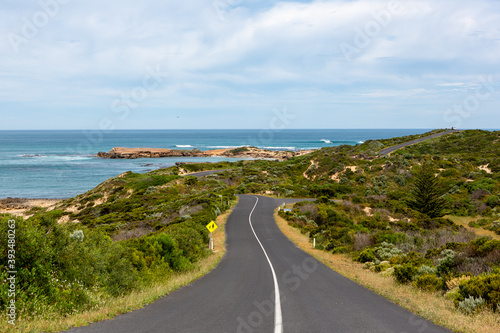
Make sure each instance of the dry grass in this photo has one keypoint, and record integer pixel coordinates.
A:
(133, 301)
(465, 220)
(431, 306)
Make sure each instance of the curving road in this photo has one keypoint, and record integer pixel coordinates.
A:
(239, 295)
(392, 149)
(206, 173)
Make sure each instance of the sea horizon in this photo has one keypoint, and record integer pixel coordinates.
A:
(236, 129)
(57, 164)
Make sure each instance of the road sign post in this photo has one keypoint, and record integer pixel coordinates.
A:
(211, 228)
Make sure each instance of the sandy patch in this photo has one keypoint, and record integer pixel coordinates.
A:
(182, 172)
(313, 164)
(216, 152)
(102, 200)
(72, 209)
(368, 211)
(19, 207)
(64, 219)
(485, 168)
(336, 176)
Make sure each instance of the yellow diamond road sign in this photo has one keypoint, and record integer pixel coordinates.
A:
(212, 226)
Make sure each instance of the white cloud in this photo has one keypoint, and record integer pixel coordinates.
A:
(249, 52)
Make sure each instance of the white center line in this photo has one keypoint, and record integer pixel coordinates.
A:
(278, 319)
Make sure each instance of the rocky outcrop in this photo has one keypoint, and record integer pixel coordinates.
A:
(20, 206)
(13, 203)
(243, 152)
(131, 153)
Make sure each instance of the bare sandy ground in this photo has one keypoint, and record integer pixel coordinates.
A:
(19, 207)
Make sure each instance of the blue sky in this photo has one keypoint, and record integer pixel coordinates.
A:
(67, 64)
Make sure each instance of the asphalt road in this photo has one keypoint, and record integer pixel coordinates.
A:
(239, 295)
(389, 150)
(206, 173)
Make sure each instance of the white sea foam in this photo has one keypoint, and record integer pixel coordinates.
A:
(184, 146)
(31, 155)
(225, 147)
(287, 148)
(325, 141)
(74, 157)
(57, 157)
(361, 142)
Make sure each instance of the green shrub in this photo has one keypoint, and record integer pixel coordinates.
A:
(62, 269)
(323, 200)
(77, 235)
(450, 173)
(487, 184)
(383, 266)
(429, 282)
(368, 265)
(141, 182)
(190, 242)
(493, 201)
(387, 251)
(238, 150)
(446, 263)
(374, 223)
(414, 258)
(488, 247)
(405, 273)
(453, 295)
(426, 270)
(121, 276)
(486, 287)
(388, 237)
(190, 180)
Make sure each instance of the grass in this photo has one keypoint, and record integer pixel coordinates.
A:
(115, 306)
(431, 306)
(465, 220)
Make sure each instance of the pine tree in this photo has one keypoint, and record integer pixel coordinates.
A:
(426, 194)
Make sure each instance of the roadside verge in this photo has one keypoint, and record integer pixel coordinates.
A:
(113, 307)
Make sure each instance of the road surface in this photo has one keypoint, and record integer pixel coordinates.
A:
(206, 173)
(392, 149)
(239, 295)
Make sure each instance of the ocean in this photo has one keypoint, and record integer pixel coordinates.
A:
(61, 164)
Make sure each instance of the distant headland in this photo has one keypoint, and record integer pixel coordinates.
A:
(241, 152)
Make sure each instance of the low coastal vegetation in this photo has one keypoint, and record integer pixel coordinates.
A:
(427, 216)
(402, 216)
(127, 235)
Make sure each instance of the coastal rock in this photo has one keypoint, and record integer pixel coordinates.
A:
(20, 206)
(242, 152)
(13, 203)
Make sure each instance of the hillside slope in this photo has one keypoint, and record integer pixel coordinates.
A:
(137, 228)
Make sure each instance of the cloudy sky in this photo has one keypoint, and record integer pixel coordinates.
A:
(69, 64)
